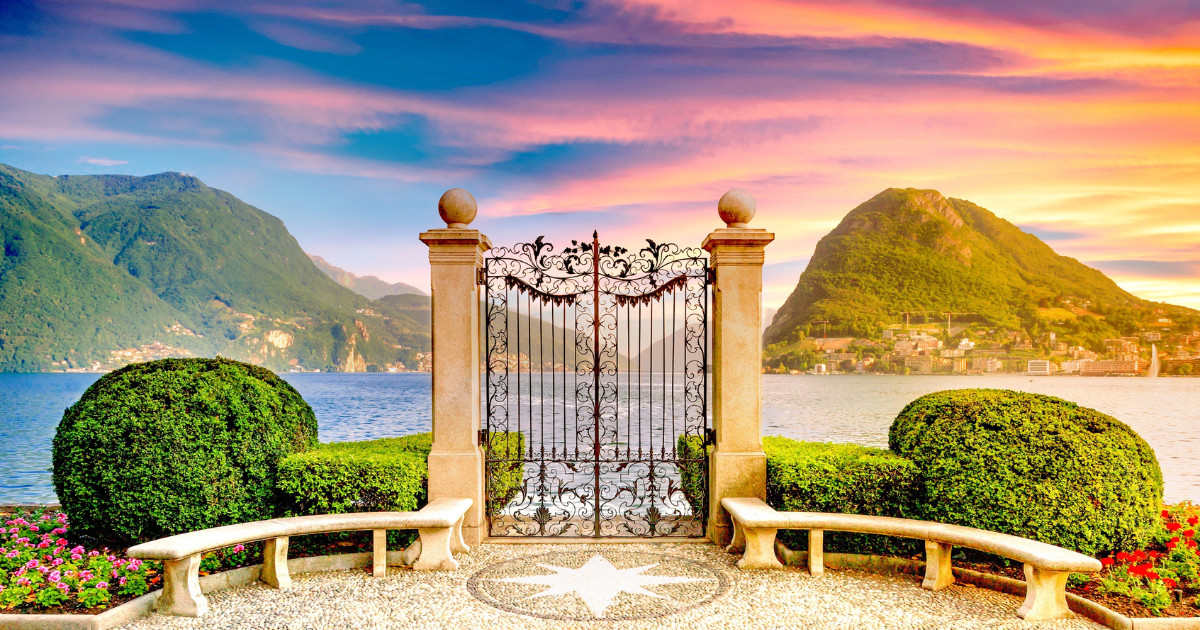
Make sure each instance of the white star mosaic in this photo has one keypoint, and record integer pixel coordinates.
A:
(599, 582)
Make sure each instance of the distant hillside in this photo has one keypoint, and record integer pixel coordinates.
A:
(104, 269)
(908, 250)
(369, 287)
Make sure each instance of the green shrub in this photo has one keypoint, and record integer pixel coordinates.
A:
(1031, 466)
(693, 468)
(176, 445)
(372, 476)
(376, 475)
(844, 479)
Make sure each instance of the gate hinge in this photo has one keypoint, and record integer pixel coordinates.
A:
(480, 276)
(483, 436)
(710, 437)
(711, 273)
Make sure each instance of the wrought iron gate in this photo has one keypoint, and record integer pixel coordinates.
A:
(597, 380)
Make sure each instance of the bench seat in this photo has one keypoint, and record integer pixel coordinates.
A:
(1046, 566)
(439, 526)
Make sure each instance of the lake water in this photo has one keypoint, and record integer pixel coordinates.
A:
(841, 408)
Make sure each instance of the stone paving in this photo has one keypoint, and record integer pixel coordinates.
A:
(606, 586)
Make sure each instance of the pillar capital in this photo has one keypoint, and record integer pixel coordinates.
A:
(737, 246)
(451, 246)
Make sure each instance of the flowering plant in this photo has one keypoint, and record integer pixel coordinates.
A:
(1152, 577)
(39, 568)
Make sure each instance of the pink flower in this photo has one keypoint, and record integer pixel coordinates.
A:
(34, 528)
(24, 581)
(102, 585)
(54, 576)
(78, 549)
(121, 582)
(61, 542)
(93, 554)
(43, 545)
(32, 564)
(111, 558)
(239, 548)
(76, 556)
(57, 561)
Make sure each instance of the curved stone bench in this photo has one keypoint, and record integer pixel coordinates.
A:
(439, 525)
(1046, 566)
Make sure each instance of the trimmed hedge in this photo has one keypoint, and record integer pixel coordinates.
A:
(844, 479)
(693, 470)
(372, 476)
(176, 445)
(1032, 466)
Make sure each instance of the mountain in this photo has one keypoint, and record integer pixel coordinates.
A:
(369, 287)
(915, 251)
(99, 270)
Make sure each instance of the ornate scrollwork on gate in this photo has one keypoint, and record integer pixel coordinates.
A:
(596, 390)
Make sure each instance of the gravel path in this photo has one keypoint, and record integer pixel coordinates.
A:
(690, 586)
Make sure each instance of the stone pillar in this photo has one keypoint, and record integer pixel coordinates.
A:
(456, 461)
(738, 466)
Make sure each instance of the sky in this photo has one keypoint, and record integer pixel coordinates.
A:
(1077, 120)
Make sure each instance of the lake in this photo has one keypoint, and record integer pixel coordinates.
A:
(835, 408)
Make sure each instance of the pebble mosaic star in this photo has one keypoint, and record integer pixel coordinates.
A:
(598, 582)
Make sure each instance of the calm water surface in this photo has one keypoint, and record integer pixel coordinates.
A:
(842, 408)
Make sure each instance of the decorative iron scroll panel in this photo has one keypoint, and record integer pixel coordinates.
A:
(597, 415)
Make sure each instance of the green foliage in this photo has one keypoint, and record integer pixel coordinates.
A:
(693, 471)
(176, 445)
(1032, 466)
(377, 475)
(915, 250)
(94, 264)
(844, 479)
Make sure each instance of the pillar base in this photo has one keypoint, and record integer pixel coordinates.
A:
(460, 476)
(733, 475)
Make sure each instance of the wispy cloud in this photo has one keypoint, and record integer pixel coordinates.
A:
(101, 161)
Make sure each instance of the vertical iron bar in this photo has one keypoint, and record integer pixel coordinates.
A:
(596, 371)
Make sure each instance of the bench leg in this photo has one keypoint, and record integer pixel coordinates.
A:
(816, 552)
(1045, 595)
(411, 553)
(435, 550)
(275, 568)
(938, 574)
(181, 588)
(760, 549)
(738, 543)
(457, 544)
(378, 552)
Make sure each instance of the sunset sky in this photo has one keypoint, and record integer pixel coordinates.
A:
(1077, 120)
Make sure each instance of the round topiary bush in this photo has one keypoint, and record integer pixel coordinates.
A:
(1032, 466)
(176, 445)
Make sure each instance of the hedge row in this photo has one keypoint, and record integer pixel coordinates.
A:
(842, 478)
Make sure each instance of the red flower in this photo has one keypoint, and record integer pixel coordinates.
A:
(1124, 556)
(1151, 575)
(1171, 544)
(1108, 562)
(1191, 542)
(1166, 514)
(1141, 569)
(1170, 583)
(1140, 555)
(1173, 527)
(1188, 533)
(1155, 554)
(1194, 520)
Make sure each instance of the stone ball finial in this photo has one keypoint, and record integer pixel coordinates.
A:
(457, 208)
(736, 208)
